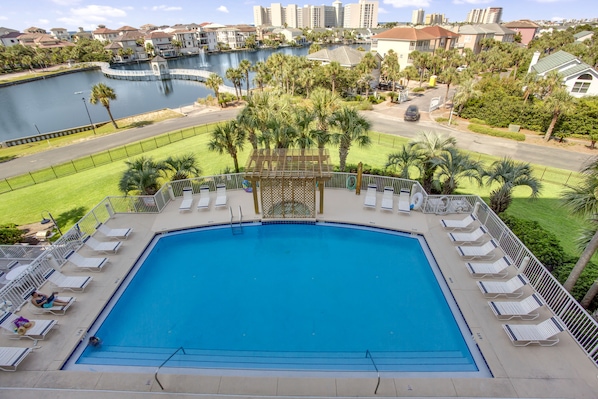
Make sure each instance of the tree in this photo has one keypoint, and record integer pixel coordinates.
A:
(323, 104)
(10, 234)
(142, 176)
(466, 91)
(334, 71)
(452, 166)
(558, 103)
(103, 94)
(390, 68)
(430, 146)
(245, 67)
(182, 166)
(235, 76)
(149, 49)
(304, 120)
(262, 74)
(448, 77)
(403, 161)
(582, 200)
(352, 128)
(228, 138)
(214, 82)
(509, 174)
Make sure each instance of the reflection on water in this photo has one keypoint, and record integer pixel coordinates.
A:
(55, 104)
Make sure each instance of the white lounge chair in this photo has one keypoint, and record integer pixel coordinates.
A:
(404, 201)
(478, 251)
(525, 309)
(498, 268)
(221, 197)
(543, 334)
(102, 246)
(462, 224)
(512, 288)
(471, 237)
(56, 309)
(114, 233)
(370, 199)
(11, 357)
(204, 198)
(388, 197)
(38, 332)
(71, 283)
(187, 202)
(94, 264)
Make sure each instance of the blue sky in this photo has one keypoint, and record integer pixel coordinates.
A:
(70, 14)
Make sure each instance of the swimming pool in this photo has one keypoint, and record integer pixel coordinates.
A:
(285, 297)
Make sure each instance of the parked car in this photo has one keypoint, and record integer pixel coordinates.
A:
(412, 113)
(461, 68)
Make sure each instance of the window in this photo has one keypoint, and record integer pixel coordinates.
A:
(582, 84)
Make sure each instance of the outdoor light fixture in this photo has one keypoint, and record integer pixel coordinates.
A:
(89, 116)
(47, 218)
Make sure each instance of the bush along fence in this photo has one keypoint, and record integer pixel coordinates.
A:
(99, 159)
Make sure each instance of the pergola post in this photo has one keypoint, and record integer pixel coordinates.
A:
(256, 206)
(321, 187)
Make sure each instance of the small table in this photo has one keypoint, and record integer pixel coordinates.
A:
(16, 272)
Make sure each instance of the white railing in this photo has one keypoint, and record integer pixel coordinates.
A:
(581, 325)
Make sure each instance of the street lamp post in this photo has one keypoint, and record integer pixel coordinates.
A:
(89, 116)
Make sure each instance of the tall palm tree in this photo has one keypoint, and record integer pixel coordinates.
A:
(304, 120)
(448, 77)
(582, 200)
(467, 90)
(235, 76)
(214, 82)
(228, 138)
(404, 161)
(509, 174)
(452, 166)
(182, 166)
(352, 128)
(334, 71)
(142, 176)
(103, 94)
(390, 69)
(245, 67)
(262, 74)
(558, 103)
(323, 105)
(430, 146)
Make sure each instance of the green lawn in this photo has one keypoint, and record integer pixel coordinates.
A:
(72, 196)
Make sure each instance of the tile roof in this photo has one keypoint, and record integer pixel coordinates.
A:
(439, 31)
(400, 33)
(344, 55)
(522, 23)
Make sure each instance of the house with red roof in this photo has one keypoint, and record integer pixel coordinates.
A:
(405, 40)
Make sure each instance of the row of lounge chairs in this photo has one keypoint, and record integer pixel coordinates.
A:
(387, 203)
(204, 198)
(544, 333)
(11, 357)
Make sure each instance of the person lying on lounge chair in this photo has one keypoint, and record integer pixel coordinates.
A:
(43, 301)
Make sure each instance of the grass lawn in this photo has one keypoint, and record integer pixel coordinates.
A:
(71, 197)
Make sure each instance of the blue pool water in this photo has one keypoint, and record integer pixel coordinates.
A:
(285, 296)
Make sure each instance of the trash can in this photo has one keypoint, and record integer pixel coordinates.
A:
(433, 81)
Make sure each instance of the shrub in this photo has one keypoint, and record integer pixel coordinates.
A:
(583, 284)
(365, 106)
(10, 234)
(418, 89)
(495, 132)
(477, 121)
(543, 244)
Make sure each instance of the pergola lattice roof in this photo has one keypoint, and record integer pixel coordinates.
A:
(288, 164)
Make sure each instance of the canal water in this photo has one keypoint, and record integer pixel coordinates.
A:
(60, 103)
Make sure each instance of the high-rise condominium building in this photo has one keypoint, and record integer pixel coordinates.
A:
(361, 15)
(435, 19)
(484, 15)
(417, 17)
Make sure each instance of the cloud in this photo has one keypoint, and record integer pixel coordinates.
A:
(92, 15)
(3, 18)
(222, 9)
(382, 11)
(407, 3)
(44, 21)
(66, 2)
(166, 8)
(472, 2)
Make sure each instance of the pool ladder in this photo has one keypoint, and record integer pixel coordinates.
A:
(236, 228)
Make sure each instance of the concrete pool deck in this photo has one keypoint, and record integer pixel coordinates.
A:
(561, 371)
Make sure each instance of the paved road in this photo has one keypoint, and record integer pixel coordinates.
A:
(384, 119)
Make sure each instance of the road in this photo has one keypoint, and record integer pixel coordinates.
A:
(384, 119)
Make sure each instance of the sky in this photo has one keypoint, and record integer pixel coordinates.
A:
(71, 14)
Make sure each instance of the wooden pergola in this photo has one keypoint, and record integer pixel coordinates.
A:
(288, 179)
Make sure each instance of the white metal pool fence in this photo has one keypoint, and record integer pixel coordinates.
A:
(582, 326)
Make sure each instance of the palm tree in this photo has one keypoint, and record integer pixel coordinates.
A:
(245, 67)
(334, 71)
(228, 138)
(142, 176)
(103, 94)
(262, 74)
(183, 166)
(558, 103)
(214, 82)
(403, 161)
(304, 119)
(429, 147)
(323, 105)
(452, 166)
(390, 69)
(353, 128)
(582, 200)
(448, 77)
(466, 91)
(509, 174)
(235, 76)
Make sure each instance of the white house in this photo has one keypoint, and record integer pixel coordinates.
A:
(579, 78)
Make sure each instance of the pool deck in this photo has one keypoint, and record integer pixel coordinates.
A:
(560, 371)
